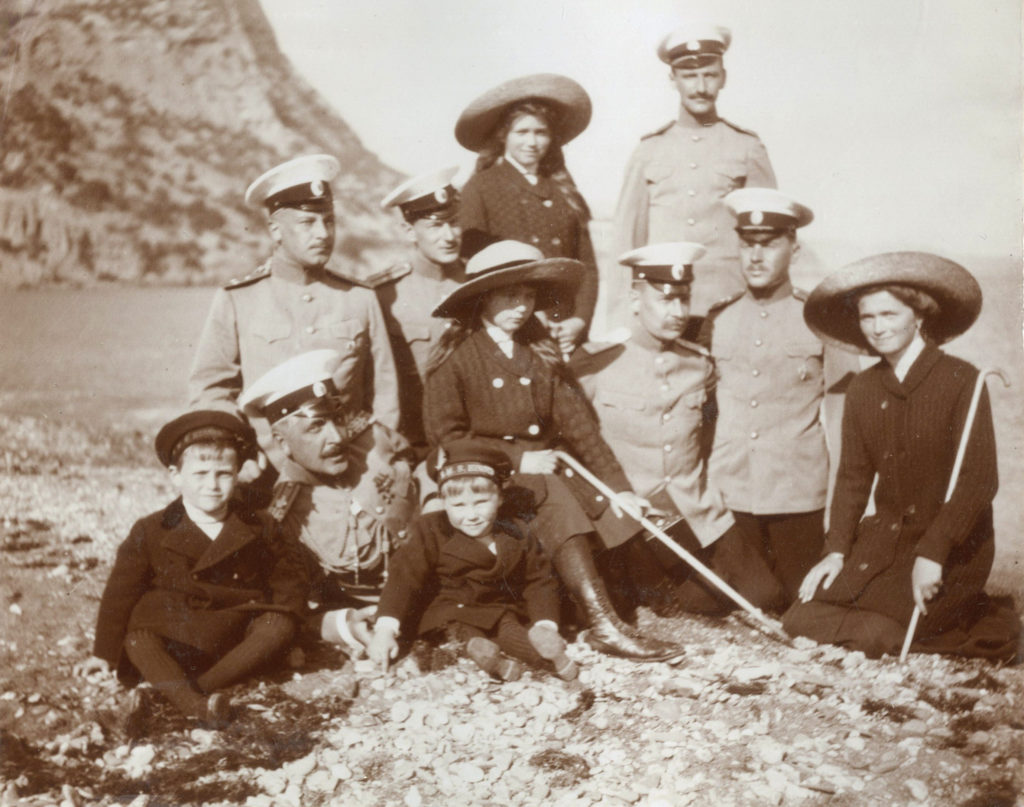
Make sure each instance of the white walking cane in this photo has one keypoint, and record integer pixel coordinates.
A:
(961, 450)
(771, 626)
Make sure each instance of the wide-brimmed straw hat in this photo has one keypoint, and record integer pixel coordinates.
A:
(566, 97)
(509, 263)
(831, 313)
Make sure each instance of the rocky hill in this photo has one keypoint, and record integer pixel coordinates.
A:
(130, 130)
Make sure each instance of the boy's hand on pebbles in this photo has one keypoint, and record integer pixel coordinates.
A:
(383, 648)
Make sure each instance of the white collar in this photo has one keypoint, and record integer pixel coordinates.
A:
(906, 361)
(211, 526)
(502, 339)
(531, 176)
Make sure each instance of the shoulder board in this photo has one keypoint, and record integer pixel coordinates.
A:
(732, 298)
(350, 279)
(611, 339)
(282, 499)
(800, 294)
(739, 129)
(392, 273)
(660, 131)
(258, 274)
(693, 347)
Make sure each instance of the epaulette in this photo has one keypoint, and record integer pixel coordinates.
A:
(739, 129)
(352, 280)
(611, 339)
(660, 131)
(392, 273)
(732, 298)
(800, 294)
(694, 347)
(282, 500)
(257, 274)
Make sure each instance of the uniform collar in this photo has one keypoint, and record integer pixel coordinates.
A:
(641, 337)
(284, 268)
(687, 121)
(423, 266)
(781, 292)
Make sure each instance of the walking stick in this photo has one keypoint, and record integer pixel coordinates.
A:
(959, 461)
(771, 626)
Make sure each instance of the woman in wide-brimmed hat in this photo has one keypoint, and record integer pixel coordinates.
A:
(903, 422)
(522, 190)
(496, 376)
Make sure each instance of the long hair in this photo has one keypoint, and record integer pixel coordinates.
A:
(552, 164)
(533, 335)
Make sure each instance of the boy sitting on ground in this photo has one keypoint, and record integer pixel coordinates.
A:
(490, 573)
(202, 592)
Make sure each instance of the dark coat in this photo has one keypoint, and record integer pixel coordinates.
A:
(474, 586)
(499, 201)
(170, 578)
(908, 433)
(517, 405)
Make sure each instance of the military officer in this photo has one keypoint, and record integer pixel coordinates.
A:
(769, 457)
(347, 495)
(678, 175)
(650, 393)
(409, 291)
(294, 303)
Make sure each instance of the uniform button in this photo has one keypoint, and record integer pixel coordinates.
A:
(755, 372)
(498, 383)
(753, 403)
(307, 298)
(667, 447)
(693, 165)
(691, 222)
(534, 429)
(524, 381)
(863, 567)
(753, 435)
(758, 342)
(379, 509)
(695, 138)
(668, 478)
(310, 329)
(547, 203)
(666, 416)
(556, 241)
(764, 314)
(691, 192)
(664, 387)
(659, 359)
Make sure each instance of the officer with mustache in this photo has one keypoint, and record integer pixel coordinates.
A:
(346, 494)
(678, 175)
(295, 303)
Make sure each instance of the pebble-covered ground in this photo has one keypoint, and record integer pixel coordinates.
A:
(740, 719)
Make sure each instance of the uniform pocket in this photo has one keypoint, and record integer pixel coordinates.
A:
(270, 330)
(620, 400)
(730, 175)
(348, 332)
(807, 357)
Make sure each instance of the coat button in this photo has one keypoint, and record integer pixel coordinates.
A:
(534, 429)
(535, 239)
(895, 527)
(498, 383)
(460, 605)
(599, 498)
(524, 381)
(885, 404)
(556, 241)
(548, 203)
(863, 567)
(569, 472)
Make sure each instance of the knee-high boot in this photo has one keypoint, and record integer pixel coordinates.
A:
(608, 633)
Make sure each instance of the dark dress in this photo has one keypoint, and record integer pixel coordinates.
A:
(522, 404)
(172, 579)
(908, 433)
(500, 202)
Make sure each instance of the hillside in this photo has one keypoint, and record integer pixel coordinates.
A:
(130, 131)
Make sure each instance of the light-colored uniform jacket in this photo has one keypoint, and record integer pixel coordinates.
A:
(650, 399)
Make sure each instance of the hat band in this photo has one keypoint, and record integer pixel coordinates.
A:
(456, 469)
(443, 199)
(313, 195)
(765, 220)
(698, 47)
(293, 401)
(676, 275)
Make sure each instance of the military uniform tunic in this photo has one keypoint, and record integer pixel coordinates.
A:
(407, 303)
(769, 454)
(673, 190)
(649, 397)
(282, 311)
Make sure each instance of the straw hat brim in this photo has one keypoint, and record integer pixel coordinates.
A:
(553, 275)
(572, 106)
(831, 313)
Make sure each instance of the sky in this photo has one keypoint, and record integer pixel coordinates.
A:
(897, 121)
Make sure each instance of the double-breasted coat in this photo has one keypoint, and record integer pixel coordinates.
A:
(473, 585)
(171, 578)
(517, 405)
(908, 434)
(501, 202)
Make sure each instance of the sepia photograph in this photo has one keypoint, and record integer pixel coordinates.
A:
(563, 402)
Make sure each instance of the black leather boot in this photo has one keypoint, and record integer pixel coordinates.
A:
(608, 634)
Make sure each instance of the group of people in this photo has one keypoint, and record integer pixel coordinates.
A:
(401, 440)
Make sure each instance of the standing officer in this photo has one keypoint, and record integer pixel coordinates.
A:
(650, 394)
(409, 291)
(769, 458)
(678, 175)
(294, 303)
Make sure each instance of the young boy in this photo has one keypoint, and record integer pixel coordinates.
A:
(491, 575)
(200, 594)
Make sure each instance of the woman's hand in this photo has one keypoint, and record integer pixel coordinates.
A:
(568, 333)
(538, 462)
(630, 503)
(822, 573)
(925, 580)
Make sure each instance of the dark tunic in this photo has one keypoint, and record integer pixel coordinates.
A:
(474, 586)
(500, 201)
(171, 578)
(908, 433)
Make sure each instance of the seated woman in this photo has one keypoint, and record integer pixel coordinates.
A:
(495, 377)
(903, 422)
(522, 190)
